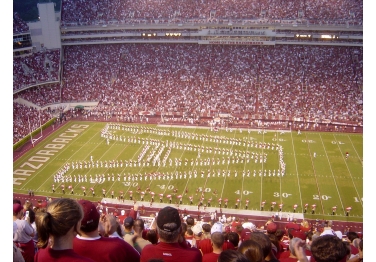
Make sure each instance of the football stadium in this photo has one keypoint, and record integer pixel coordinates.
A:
(228, 111)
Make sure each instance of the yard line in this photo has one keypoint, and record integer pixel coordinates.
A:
(296, 169)
(331, 170)
(314, 172)
(352, 179)
(223, 187)
(361, 161)
(56, 156)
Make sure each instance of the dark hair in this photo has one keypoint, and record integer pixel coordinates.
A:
(252, 250)
(280, 233)
(328, 248)
(62, 214)
(190, 221)
(352, 235)
(264, 241)
(152, 236)
(17, 201)
(206, 228)
(233, 238)
(275, 241)
(230, 255)
(184, 228)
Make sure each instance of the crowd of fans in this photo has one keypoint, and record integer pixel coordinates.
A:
(19, 25)
(316, 83)
(36, 68)
(209, 11)
(27, 119)
(65, 228)
(289, 81)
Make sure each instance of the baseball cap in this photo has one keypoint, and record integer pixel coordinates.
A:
(17, 208)
(128, 222)
(271, 228)
(197, 229)
(91, 215)
(217, 227)
(299, 234)
(166, 216)
(245, 234)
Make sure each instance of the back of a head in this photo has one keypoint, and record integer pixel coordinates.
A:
(352, 235)
(62, 214)
(230, 255)
(217, 239)
(138, 226)
(152, 236)
(328, 248)
(233, 237)
(206, 228)
(168, 224)
(264, 241)
(252, 250)
(90, 221)
(190, 221)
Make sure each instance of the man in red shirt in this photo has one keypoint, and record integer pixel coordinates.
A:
(217, 240)
(92, 245)
(168, 248)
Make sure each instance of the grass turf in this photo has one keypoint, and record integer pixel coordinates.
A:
(326, 180)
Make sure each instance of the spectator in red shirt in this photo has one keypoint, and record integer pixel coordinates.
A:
(217, 240)
(168, 248)
(57, 228)
(90, 244)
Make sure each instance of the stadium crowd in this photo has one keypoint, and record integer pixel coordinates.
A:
(91, 233)
(209, 11)
(37, 68)
(19, 25)
(27, 119)
(315, 83)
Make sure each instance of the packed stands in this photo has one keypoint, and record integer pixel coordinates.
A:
(211, 11)
(36, 68)
(316, 82)
(19, 25)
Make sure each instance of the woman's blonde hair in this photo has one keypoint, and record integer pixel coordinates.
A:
(61, 215)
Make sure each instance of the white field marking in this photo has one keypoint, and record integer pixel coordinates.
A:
(296, 169)
(280, 178)
(224, 181)
(331, 171)
(352, 179)
(361, 161)
(51, 176)
(245, 163)
(314, 172)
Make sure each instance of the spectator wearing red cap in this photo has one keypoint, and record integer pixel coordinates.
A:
(24, 234)
(217, 240)
(271, 228)
(90, 244)
(168, 248)
(57, 228)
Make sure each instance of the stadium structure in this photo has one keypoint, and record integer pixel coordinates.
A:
(261, 64)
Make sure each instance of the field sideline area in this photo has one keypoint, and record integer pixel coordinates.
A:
(189, 165)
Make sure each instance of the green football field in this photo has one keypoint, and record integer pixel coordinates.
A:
(240, 165)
